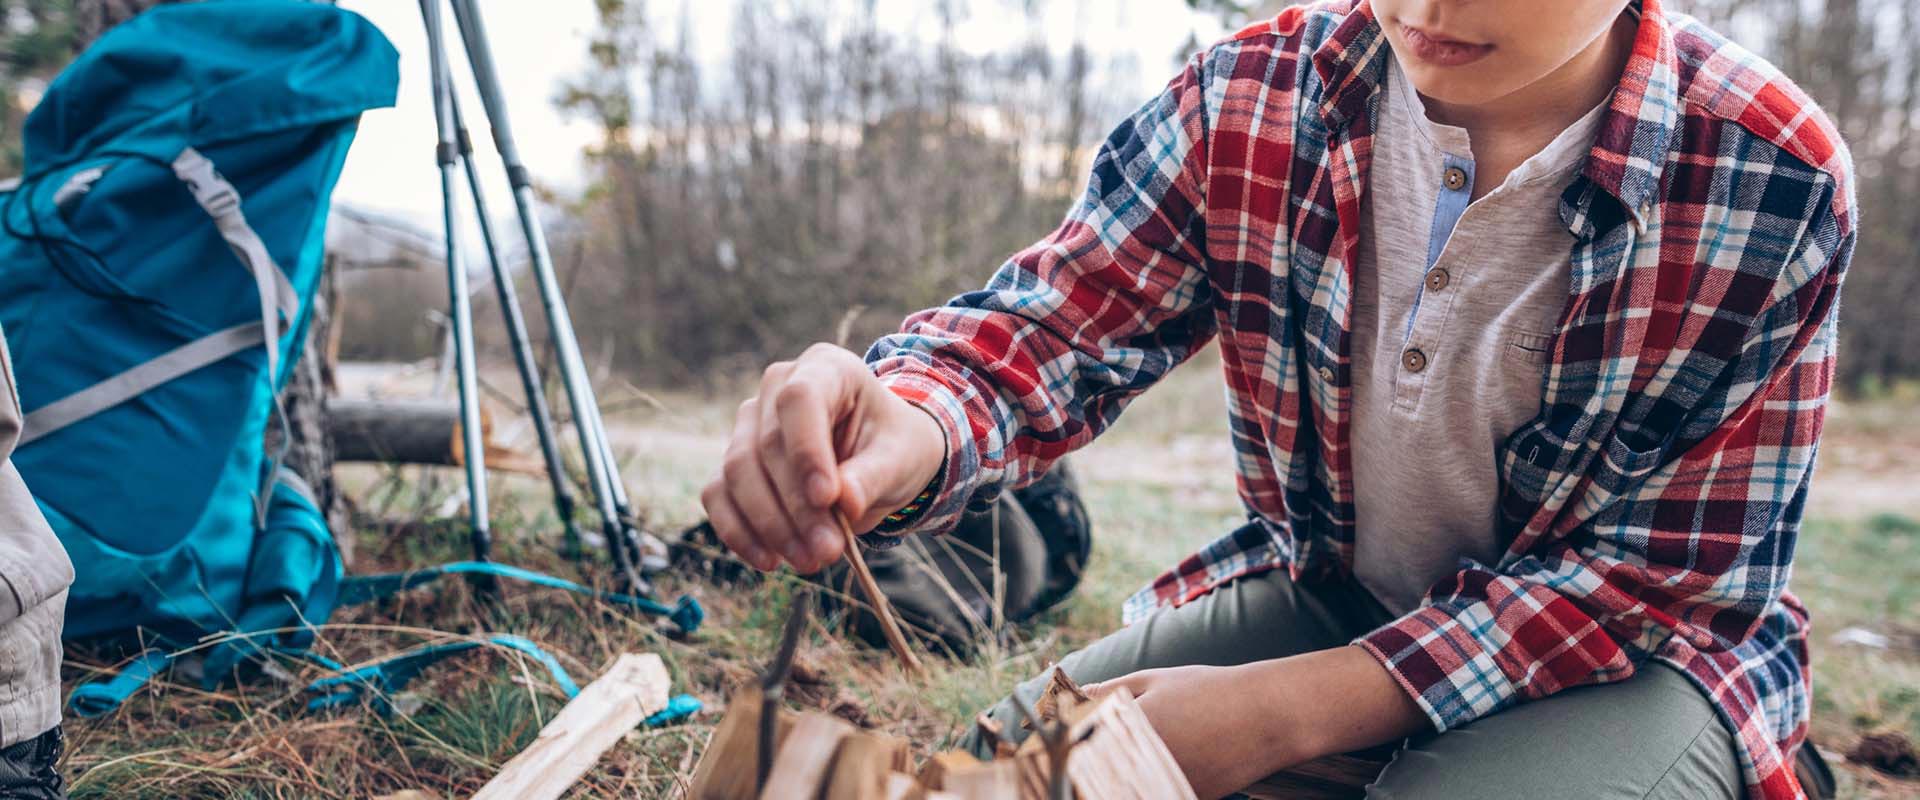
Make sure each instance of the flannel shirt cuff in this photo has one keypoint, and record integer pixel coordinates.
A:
(957, 477)
(1447, 658)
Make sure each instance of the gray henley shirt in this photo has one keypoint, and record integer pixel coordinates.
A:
(1454, 302)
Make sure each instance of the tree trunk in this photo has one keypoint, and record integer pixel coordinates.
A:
(309, 447)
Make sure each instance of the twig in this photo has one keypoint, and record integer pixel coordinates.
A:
(773, 682)
(882, 610)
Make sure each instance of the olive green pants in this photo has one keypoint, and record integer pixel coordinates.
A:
(1651, 736)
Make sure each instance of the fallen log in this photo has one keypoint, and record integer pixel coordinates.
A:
(414, 431)
(596, 719)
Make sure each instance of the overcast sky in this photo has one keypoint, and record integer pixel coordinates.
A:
(537, 43)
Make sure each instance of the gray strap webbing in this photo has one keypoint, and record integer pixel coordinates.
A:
(138, 379)
(299, 485)
(278, 302)
(77, 185)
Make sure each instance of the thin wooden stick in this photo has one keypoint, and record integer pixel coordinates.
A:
(896, 640)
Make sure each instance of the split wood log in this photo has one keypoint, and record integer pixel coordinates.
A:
(1335, 777)
(569, 745)
(863, 765)
(934, 773)
(729, 765)
(415, 432)
(815, 755)
(998, 778)
(1118, 755)
(804, 759)
(1059, 697)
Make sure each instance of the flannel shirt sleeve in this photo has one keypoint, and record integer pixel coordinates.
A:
(1070, 329)
(1687, 537)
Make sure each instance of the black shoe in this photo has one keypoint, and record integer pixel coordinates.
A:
(1816, 778)
(1058, 513)
(998, 567)
(27, 769)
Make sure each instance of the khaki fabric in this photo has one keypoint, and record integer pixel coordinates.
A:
(34, 576)
(1651, 736)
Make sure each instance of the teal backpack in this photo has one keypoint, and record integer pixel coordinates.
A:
(157, 259)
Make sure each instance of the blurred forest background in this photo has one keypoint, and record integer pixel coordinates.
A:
(829, 174)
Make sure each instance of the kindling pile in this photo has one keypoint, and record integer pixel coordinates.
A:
(1096, 747)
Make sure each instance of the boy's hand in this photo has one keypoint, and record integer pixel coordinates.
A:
(823, 433)
(1230, 726)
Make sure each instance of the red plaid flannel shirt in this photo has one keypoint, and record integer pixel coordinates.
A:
(1654, 502)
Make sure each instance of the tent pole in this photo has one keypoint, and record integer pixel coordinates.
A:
(609, 491)
(523, 355)
(473, 451)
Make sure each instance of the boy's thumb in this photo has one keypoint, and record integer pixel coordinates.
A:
(862, 478)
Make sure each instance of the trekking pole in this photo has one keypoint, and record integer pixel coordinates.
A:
(523, 355)
(472, 450)
(639, 540)
(594, 449)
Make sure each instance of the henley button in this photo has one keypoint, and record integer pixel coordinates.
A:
(1437, 279)
(1455, 178)
(1413, 360)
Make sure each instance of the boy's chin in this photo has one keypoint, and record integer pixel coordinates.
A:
(1467, 86)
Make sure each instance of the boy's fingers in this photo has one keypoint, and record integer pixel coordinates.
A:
(806, 408)
(732, 529)
(760, 511)
(789, 471)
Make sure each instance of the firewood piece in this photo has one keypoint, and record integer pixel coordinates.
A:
(1329, 778)
(861, 768)
(1117, 755)
(727, 766)
(806, 758)
(1118, 733)
(1059, 696)
(593, 721)
(934, 773)
(983, 780)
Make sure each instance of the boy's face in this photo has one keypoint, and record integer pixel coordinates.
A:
(1473, 52)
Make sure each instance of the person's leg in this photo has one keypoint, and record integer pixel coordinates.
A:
(1251, 619)
(1651, 736)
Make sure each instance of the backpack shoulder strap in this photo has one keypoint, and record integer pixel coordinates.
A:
(139, 378)
(279, 304)
(278, 301)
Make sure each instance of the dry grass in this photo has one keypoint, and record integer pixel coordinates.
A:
(1157, 486)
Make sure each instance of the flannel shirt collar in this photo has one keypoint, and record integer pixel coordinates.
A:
(1630, 149)
(1352, 64)
(1638, 130)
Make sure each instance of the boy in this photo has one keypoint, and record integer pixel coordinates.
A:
(1526, 309)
